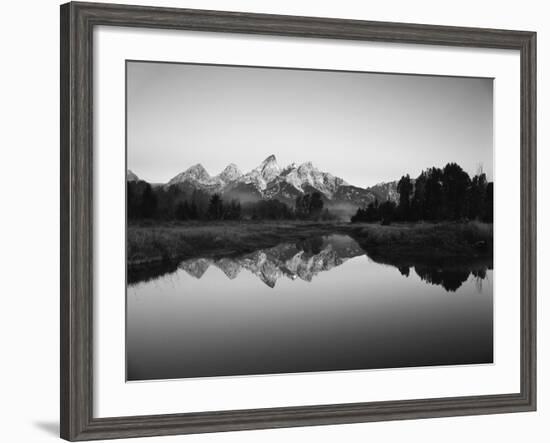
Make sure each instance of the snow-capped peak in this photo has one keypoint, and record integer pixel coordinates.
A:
(308, 175)
(269, 168)
(267, 180)
(260, 176)
(307, 168)
(195, 173)
(289, 168)
(269, 159)
(230, 173)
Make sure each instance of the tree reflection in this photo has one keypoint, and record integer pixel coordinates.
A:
(450, 279)
(306, 259)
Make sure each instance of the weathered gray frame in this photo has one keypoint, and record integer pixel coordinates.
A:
(77, 23)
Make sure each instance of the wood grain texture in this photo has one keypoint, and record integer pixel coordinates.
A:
(77, 23)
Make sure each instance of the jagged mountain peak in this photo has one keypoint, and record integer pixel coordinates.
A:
(309, 176)
(307, 166)
(231, 167)
(196, 174)
(230, 173)
(266, 172)
(197, 170)
(290, 167)
(269, 181)
(270, 159)
(269, 168)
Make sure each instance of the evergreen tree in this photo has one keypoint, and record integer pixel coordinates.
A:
(148, 202)
(405, 188)
(369, 214)
(455, 183)
(433, 197)
(193, 211)
(418, 210)
(271, 210)
(201, 202)
(387, 212)
(233, 210)
(215, 209)
(309, 205)
(182, 211)
(303, 205)
(133, 199)
(478, 190)
(315, 205)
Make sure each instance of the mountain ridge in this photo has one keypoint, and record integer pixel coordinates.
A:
(269, 181)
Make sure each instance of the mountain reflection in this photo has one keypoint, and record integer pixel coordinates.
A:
(303, 260)
(306, 259)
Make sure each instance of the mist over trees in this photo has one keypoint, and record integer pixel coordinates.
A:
(309, 205)
(435, 195)
(146, 202)
(269, 210)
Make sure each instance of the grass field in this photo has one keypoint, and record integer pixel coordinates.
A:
(168, 242)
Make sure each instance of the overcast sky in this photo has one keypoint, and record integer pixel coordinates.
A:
(365, 128)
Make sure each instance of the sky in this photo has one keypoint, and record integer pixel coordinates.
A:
(365, 128)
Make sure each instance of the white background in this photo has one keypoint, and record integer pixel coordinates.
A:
(29, 228)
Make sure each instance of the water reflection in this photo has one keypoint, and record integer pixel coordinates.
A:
(306, 259)
(303, 260)
(319, 305)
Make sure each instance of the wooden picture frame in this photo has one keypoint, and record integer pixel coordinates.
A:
(77, 23)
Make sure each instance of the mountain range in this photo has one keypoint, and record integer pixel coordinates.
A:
(271, 181)
(308, 259)
(291, 260)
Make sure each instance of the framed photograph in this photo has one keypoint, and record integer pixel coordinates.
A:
(273, 221)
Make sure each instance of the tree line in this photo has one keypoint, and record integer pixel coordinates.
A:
(435, 195)
(147, 202)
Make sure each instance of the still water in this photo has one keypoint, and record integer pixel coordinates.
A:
(319, 305)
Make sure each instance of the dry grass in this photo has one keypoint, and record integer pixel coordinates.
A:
(173, 241)
(434, 239)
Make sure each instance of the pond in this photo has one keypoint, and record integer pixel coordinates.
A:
(316, 305)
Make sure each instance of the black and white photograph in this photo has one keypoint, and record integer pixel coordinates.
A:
(275, 217)
(292, 220)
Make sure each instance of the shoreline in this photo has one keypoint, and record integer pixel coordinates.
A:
(151, 245)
